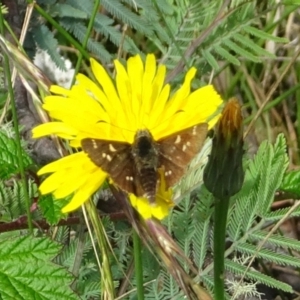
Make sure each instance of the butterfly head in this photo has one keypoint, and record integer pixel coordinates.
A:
(144, 149)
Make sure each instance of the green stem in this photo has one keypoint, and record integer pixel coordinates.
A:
(138, 263)
(86, 38)
(16, 129)
(107, 283)
(221, 210)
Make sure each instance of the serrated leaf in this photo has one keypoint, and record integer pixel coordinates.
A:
(257, 276)
(225, 54)
(245, 41)
(241, 51)
(66, 10)
(46, 41)
(277, 215)
(264, 35)
(290, 183)
(118, 9)
(79, 30)
(269, 255)
(8, 157)
(277, 240)
(51, 208)
(210, 59)
(29, 248)
(26, 271)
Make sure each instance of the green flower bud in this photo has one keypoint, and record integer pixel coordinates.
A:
(224, 175)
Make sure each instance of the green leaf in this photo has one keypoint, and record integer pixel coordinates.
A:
(256, 276)
(51, 208)
(290, 183)
(66, 10)
(269, 255)
(291, 2)
(225, 54)
(242, 52)
(79, 30)
(8, 157)
(264, 35)
(46, 41)
(26, 271)
(277, 240)
(277, 215)
(118, 9)
(245, 41)
(263, 177)
(210, 59)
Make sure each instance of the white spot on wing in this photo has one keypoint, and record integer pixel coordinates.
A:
(94, 144)
(168, 173)
(194, 132)
(185, 146)
(112, 148)
(129, 178)
(178, 139)
(108, 157)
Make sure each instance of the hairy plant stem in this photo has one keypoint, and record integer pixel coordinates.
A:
(221, 210)
(138, 263)
(16, 129)
(107, 284)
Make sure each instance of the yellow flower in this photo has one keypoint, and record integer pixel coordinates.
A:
(113, 110)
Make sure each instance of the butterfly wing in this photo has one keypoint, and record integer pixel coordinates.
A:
(177, 150)
(114, 158)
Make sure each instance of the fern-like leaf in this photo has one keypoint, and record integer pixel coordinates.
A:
(116, 8)
(276, 240)
(256, 276)
(45, 40)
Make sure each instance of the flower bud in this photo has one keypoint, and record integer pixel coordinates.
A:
(223, 174)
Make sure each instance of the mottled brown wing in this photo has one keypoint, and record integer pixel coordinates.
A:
(114, 158)
(177, 150)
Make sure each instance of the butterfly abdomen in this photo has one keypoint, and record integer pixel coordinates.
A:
(145, 156)
(148, 181)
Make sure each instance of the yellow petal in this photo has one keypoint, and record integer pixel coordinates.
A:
(148, 77)
(158, 84)
(135, 70)
(155, 118)
(125, 118)
(59, 128)
(142, 206)
(52, 182)
(205, 100)
(73, 180)
(199, 107)
(64, 163)
(179, 99)
(56, 89)
(97, 93)
(107, 85)
(94, 182)
(160, 211)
